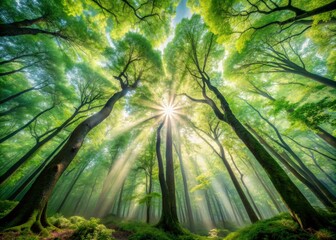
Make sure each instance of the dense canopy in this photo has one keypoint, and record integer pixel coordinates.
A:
(206, 115)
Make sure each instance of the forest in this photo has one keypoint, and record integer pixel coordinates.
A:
(168, 119)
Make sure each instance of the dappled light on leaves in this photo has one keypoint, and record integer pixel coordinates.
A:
(155, 117)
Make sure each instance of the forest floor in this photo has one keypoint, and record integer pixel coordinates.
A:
(280, 227)
(118, 233)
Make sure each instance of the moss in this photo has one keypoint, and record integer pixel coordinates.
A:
(145, 231)
(92, 230)
(61, 222)
(149, 234)
(6, 206)
(281, 227)
(77, 220)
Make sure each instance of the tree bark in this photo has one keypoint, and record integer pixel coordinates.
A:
(21, 28)
(257, 212)
(307, 173)
(330, 139)
(325, 81)
(149, 200)
(27, 214)
(36, 147)
(71, 186)
(168, 222)
(300, 209)
(249, 209)
(170, 175)
(297, 172)
(14, 195)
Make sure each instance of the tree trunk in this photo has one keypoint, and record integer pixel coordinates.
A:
(327, 137)
(12, 134)
(20, 28)
(149, 200)
(330, 139)
(221, 212)
(269, 192)
(297, 204)
(257, 212)
(296, 171)
(71, 186)
(325, 81)
(16, 95)
(87, 210)
(170, 175)
(208, 202)
(36, 147)
(76, 208)
(185, 188)
(325, 8)
(14, 195)
(307, 173)
(27, 214)
(168, 222)
(320, 168)
(120, 199)
(249, 209)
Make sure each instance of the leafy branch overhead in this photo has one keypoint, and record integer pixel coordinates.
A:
(208, 115)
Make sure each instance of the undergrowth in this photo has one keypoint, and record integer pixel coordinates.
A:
(80, 228)
(280, 227)
(142, 231)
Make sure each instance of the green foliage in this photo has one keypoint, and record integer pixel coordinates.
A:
(312, 114)
(149, 234)
(60, 222)
(92, 229)
(83, 229)
(142, 231)
(77, 220)
(280, 227)
(18, 236)
(149, 197)
(6, 206)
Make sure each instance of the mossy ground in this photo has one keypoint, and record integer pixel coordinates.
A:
(280, 227)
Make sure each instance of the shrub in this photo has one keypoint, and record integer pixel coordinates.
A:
(149, 234)
(324, 234)
(188, 237)
(77, 220)
(92, 230)
(60, 222)
(281, 227)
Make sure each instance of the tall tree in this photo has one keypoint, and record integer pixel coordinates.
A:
(200, 53)
(214, 135)
(168, 220)
(242, 19)
(135, 61)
